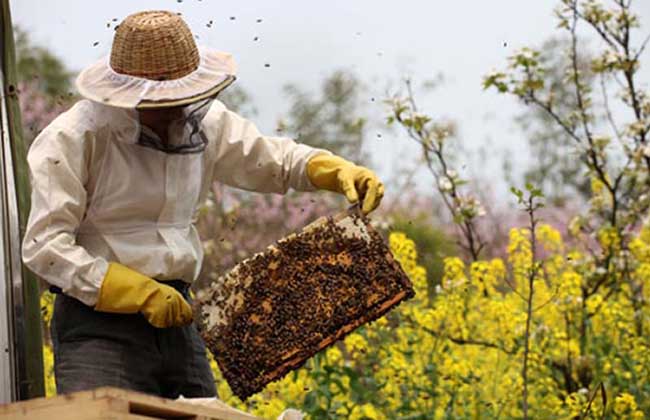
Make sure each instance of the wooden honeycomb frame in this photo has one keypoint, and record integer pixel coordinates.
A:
(275, 310)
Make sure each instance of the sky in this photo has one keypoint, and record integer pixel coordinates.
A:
(381, 41)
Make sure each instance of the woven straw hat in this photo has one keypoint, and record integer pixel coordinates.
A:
(154, 63)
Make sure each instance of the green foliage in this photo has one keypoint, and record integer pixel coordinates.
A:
(555, 167)
(36, 63)
(238, 100)
(607, 149)
(333, 119)
(433, 246)
(528, 200)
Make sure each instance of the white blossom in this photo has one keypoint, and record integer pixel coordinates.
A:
(646, 151)
(445, 184)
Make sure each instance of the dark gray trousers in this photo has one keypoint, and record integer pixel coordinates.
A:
(93, 349)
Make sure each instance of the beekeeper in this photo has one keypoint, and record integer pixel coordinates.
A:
(116, 184)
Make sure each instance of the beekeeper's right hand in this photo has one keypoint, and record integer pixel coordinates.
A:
(125, 291)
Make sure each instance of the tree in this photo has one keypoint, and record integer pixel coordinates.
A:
(44, 84)
(333, 120)
(238, 100)
(612, 153)
(38, 65)
(555, 166)
(434, 137)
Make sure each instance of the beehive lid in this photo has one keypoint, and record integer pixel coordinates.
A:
(275, 310)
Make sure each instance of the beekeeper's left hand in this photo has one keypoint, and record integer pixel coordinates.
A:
(355, 182)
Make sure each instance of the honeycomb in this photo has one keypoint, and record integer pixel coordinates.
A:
(275, 310)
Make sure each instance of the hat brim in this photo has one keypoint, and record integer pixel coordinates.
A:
(100, 83)
(187, 101)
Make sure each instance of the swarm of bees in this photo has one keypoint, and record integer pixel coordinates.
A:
(273, 311)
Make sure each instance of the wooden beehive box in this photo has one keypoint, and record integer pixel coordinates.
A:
(114, 403)
(275, 310)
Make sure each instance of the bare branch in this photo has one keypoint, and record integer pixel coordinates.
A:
(513, 288)
(481, 343)
(642, 48)
(551, 299)
(433, 152)
(532, 275)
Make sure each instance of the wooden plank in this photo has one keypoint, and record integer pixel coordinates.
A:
(113, 403)
(72, 409)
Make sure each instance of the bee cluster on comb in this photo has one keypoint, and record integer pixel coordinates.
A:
(273, 311)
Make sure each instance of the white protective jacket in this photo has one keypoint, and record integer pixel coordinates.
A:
(98, 196)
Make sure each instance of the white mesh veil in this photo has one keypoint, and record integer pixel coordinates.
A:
(184, 133)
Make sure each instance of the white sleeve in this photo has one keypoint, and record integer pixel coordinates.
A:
(246, 159)
(58, 164)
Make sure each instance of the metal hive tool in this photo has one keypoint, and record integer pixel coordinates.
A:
(275, 310)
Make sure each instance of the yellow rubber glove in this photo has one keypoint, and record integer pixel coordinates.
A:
(355, 182)
(125, 291)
